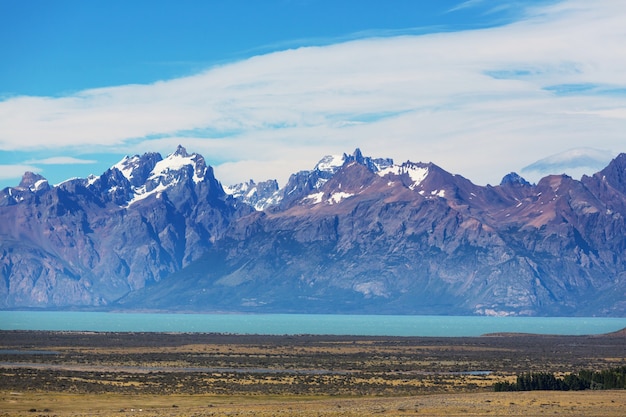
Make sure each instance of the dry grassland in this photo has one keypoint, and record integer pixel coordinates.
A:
(544, 403)
(147, 374)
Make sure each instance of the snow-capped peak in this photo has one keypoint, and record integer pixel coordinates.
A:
(166, 173)
(91, 179)
(330, 163)
(151, 174)
(127, 165)
(177, 161)
(260, 196)
(33, 182)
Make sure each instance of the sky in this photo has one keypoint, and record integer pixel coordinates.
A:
(263, 89)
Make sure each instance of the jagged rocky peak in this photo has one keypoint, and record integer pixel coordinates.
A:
(514, 178)
(615, 172)
(137, 168)
(181, 151)
(142, 176)
(306, 187)
(244, 189)
(330, 163)
(33, 182)
(177, 161)
(620, 160)
(357, 156)
(269, 186)
(373, 164)
(396, 240)
(30, 184)
(260, 196)
(152, 167)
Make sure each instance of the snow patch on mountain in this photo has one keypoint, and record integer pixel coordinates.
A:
(336, 198)
(315, 198)
(416, 173)
(39, 185)
(381, 163)
(176, 162)
(91, 180)
(150, 174)
(260, 196)
(330, 163)
(127, 166)
(238, 190)
(320, 183)
(142, 194)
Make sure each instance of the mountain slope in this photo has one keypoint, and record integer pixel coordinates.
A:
(353, 235)
(412, 238)
(89, 242)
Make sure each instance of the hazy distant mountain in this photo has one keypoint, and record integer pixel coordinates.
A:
(353, 235)
(574, 162)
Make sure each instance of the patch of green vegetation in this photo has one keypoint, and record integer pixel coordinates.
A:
(614, 378)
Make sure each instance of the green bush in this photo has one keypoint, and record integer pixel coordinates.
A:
(614, 378)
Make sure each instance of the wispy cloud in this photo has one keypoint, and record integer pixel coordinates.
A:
(467, 4)
(576, 162)
(15, 170)
(479, 103)
(61, 160)
(490, 7)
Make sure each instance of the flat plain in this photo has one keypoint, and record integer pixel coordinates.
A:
(190, 374)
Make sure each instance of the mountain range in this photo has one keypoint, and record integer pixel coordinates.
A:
(354, 235)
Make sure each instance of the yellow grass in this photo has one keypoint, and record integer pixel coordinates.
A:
(143, 375)
(527, 404)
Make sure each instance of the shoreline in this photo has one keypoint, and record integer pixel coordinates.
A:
(336, 337)
(288, 324)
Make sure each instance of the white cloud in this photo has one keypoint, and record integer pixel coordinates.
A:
(466, 5)
(15, 171)
(61, 160)
(478, 103)
(575, 162)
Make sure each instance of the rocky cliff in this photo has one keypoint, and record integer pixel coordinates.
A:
(88, 242)
(353, 235)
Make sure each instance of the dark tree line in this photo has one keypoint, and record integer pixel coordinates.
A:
(614, 378)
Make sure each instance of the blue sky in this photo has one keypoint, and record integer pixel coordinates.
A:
(59, 47)
(265, 88)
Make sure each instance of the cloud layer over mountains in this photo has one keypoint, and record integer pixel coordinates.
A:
(480, 102)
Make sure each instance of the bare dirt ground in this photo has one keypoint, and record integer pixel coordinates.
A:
(156, 374)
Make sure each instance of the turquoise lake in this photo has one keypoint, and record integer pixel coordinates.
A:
(290, 324)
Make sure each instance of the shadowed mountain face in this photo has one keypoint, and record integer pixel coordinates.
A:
(353, 235)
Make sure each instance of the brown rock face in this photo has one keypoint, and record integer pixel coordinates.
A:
(353, 235)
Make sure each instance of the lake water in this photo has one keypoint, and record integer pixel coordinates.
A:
(283, 324)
